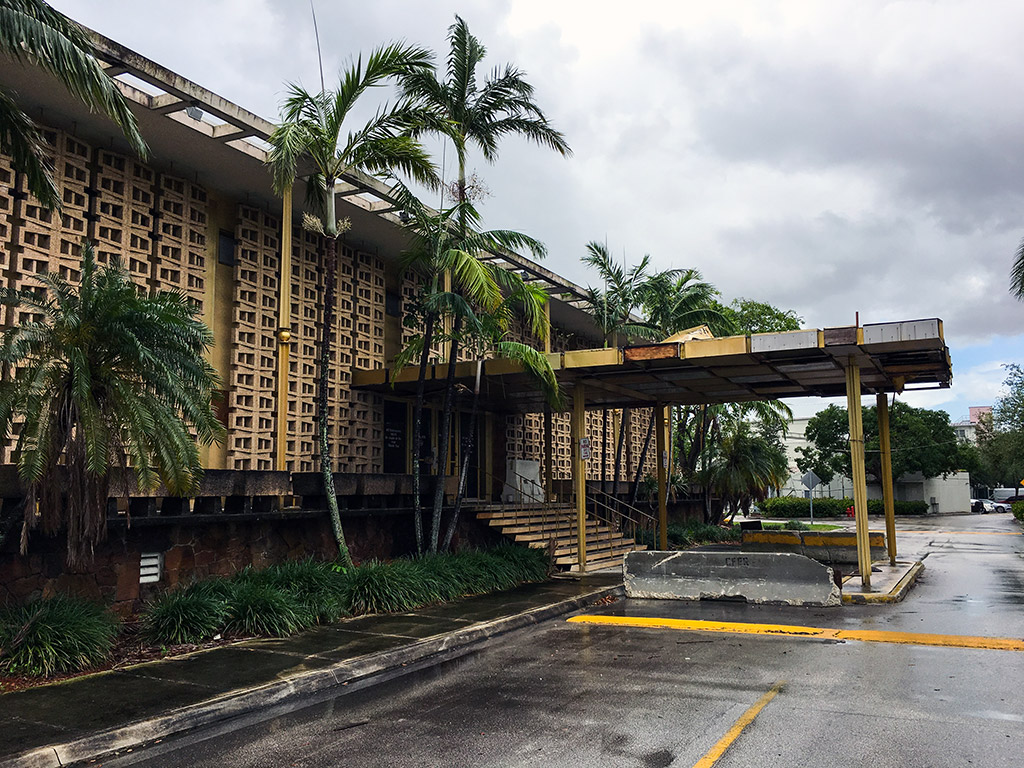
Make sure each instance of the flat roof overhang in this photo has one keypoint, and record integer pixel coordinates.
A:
(225, 148)
(892, 357)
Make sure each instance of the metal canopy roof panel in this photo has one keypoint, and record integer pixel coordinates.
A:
(804, 363)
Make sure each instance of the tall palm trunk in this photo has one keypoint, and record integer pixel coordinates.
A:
(617, 474)
(417, 430)
(467, 449)
(326, 464)
(604, 452)
(643, 458)
(444, 445)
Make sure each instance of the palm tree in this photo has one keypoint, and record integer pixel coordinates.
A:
(470, 114)
(106, 379)
(310, 131)
(449, 241)
(31, 32)
(489, 340)
(612, 308)
(1017, 274)
(457, 108)
(674, 301)
(744, 466)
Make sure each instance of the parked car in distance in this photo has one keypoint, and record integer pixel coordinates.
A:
(982, 506)
(1002, 506)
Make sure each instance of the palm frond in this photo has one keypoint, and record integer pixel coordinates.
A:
(31, 31)
(1017, 273)
(21, 140)
(107, 377)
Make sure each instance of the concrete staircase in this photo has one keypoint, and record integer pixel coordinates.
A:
(554, 525)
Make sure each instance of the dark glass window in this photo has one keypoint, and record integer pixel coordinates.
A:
(226, 248)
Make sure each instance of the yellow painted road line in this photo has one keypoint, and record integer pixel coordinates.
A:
(715, 753)
(825, 633)
(968, 533)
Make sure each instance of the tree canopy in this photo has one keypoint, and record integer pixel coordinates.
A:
(922, 441)
(1000, 453)
(750, 316)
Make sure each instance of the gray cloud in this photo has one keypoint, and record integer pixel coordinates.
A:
(831, 158)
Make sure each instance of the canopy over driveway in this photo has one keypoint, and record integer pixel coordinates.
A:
(853, 360)
(763, 366)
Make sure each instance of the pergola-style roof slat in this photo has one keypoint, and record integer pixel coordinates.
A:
(734, 369)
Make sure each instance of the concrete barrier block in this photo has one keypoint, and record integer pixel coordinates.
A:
(757, 577)
(826, 546)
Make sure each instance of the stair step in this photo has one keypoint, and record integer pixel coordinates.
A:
(549, 528)
(568, 548)
(527, 512)
(600, 556)
(523, 522)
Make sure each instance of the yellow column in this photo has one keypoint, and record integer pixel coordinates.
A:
(661, 441)
(549, 456)
(882, 406)
(860, 484)
(284, 333)
(579, 473)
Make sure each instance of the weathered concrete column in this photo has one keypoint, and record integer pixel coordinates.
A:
(549, 455)
(579, 472)
(882, 406)
(860, 484)
(661, 442)
(284, 333)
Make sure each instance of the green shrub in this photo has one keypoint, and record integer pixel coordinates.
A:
(404, 584)
(792, 525)
(796, 506)
(55, 635)
(1018, 510)
(190, 615)
(694, 532)
(376, 587)
(529, 564)
(317, 586)
(258, 609)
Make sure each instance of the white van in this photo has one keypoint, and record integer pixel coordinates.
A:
(1002, 494)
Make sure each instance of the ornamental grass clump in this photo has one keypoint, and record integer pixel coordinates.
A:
(376, 587)
(55, 635)
(191, 615)
(259, 609)
(529, 564)
(315, 585)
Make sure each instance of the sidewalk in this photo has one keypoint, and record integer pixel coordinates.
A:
(83, 718)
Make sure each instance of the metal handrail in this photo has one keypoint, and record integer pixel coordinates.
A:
(621, 518)
(616, 521)
(638, 515)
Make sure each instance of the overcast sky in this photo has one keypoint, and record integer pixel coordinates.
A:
(829, 158)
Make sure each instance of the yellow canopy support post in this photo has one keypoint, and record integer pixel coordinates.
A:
(860, 483)
(284, 334)
(579, 476)
(661, 439)
(882, 406)
(549, 456)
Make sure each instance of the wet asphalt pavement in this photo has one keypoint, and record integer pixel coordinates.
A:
(565, 694)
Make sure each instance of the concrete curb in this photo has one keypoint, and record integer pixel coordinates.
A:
(894, 595)
(246, 700)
